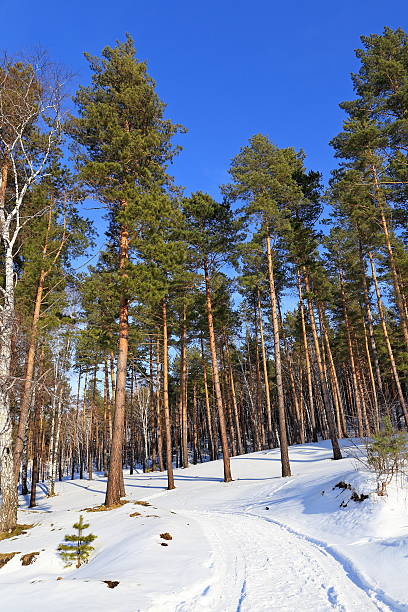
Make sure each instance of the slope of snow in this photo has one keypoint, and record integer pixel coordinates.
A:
(260, 543)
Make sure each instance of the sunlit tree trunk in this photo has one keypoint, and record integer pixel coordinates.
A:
(387, 342)
(278, 365)
(323, 383)
(216, 378)
(391, 259)
(166, 407)
(115, 486)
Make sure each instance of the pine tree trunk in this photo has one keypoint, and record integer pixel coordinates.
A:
(211, 441)
(114, 488)
(237, 425)
(166, 408)
(394, 275)
(357, 398)
(91, 428)
(182, 402)
(152, 408)
(36, 443)
(158, 411)
(106, 411)
(25, 399)
(369, 319)
(341, 423)
(278, 366)
(195, 423)
(297, 415)
(307, 361)
(226, 395)
(323, 383)
(372, 381)
(216, 378)
(259, 407)
(387, 342)
(252, 407)
(112, 381)
(266, 378)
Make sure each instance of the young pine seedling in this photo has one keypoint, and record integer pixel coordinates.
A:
(77, 547)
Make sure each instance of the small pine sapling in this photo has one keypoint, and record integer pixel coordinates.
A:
(387, 455)
(78, 546)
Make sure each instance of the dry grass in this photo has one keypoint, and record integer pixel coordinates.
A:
(12, 533)
(135, 514)
(142, 503)
(166, 536)
(29, 558)
(6, 557)
(104, 508)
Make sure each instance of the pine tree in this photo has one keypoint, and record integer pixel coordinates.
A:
(126, 144)
(78, 547)
(374, 139)
(387, 455)
(211, 234)
(253, 285)
(263, 177)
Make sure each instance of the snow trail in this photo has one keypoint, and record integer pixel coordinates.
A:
(261, 567)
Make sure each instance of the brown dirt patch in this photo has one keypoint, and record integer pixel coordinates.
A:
(111, 583)
(29, 558)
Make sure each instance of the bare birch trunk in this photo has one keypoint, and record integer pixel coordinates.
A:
(9, 499)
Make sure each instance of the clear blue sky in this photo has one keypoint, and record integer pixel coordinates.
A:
(226, 69)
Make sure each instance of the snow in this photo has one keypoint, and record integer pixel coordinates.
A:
(260, 543)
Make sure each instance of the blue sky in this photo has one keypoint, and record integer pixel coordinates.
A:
(226, 69)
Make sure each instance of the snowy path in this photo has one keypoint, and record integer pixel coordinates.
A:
(258, 544)
(261, 567)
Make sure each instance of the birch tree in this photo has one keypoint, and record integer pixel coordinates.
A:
(30, 120)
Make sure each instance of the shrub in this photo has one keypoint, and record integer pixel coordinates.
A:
(387, 455)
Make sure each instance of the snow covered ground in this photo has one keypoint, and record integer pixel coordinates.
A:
(260, 543)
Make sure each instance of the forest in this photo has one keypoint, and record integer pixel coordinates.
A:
(202, 329)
